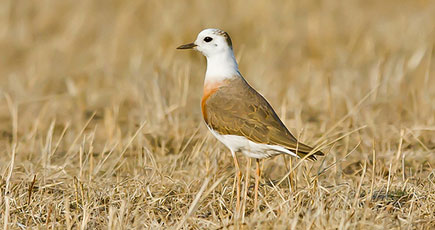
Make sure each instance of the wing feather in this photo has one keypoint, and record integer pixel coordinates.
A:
(237, 109)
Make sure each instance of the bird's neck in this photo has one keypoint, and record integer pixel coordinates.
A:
(221, 66)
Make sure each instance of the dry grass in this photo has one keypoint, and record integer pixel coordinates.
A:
(100, 124)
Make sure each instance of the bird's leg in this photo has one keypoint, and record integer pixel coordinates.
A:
(257, 181)
(291, 176)
(238, 178)
(245, 195)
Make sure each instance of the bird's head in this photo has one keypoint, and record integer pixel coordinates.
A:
(211, 42)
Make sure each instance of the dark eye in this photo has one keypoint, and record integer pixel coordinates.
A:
(208, 39)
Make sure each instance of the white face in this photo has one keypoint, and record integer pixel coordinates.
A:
(211, 41)
(216, 45)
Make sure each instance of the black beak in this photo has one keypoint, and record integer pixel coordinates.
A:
(187, 46)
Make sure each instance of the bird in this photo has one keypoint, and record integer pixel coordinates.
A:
(236, 114)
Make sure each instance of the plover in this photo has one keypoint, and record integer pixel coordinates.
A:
(236, 114)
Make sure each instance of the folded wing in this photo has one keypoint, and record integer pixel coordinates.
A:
(240, 110)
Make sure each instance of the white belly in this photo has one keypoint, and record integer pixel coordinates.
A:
(250, 148)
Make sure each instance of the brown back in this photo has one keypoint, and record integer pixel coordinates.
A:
(235, 108)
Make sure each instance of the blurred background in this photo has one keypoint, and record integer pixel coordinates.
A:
(96, 90)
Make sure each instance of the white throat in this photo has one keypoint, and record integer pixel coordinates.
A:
(221, 66)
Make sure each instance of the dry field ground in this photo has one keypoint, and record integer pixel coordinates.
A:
(100, 123)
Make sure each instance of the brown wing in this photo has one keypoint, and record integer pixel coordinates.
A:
(237, 109)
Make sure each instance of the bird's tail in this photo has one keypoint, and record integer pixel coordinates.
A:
(312, 156)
